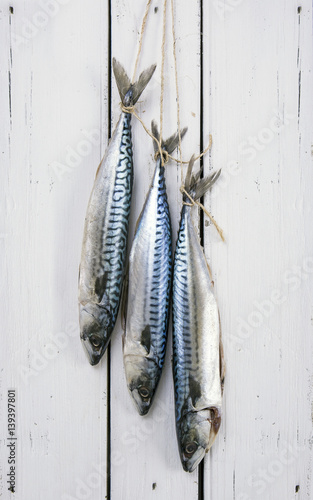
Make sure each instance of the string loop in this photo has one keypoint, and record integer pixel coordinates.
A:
(196, 202)
(132, 110)
(127, 109)
(165, 155)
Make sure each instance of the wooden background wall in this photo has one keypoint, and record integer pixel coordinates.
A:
(245, 76)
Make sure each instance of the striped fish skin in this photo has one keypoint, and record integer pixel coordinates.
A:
(150, 271)
(196, 348)
(105, 241)
(103, 260)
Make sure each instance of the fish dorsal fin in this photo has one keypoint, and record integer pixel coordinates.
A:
(194, 389)
(146, 338)
(100, 286)
(124, 298)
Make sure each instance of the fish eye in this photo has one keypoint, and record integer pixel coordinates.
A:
(144, 392)
(95, 340)
(190, 448)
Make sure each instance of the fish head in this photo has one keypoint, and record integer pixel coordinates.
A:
(142, 376)
(95, 331)
(196, 432)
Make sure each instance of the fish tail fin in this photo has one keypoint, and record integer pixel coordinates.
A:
(130, 92)
(195, 186)
(171, 143)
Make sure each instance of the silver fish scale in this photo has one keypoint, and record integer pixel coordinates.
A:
(195, 326)
(105, 237)
(150, 274)
(115, 244)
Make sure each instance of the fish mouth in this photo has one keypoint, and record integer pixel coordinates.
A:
(93, 356)
(142, 406)
(142, 376)
(94, 336)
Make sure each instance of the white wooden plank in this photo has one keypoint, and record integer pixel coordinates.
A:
(252, 69)
(50, 149)
(56, 93)
(145, 459)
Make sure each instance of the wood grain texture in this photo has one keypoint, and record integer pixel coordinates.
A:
(57, 79)
(149, 466)
(254, 56)
(251, 88)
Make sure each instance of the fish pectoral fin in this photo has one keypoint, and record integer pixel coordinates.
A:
(215, 423)
(194, 390)
(100, 286)
(146, 338)
(124, 298)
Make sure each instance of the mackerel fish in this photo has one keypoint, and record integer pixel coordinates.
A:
(103, 259)
(149, 285)
(197, 348)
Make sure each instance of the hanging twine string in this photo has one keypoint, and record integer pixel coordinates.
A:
(182, 189)
(178, 105)
(177, 94)
(162, 70)
(143, 27)
(164, 155)
(132, 110)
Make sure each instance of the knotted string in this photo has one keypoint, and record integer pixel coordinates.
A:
(196, 202)
(132, 110)
(164, 155)
(182, 188)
